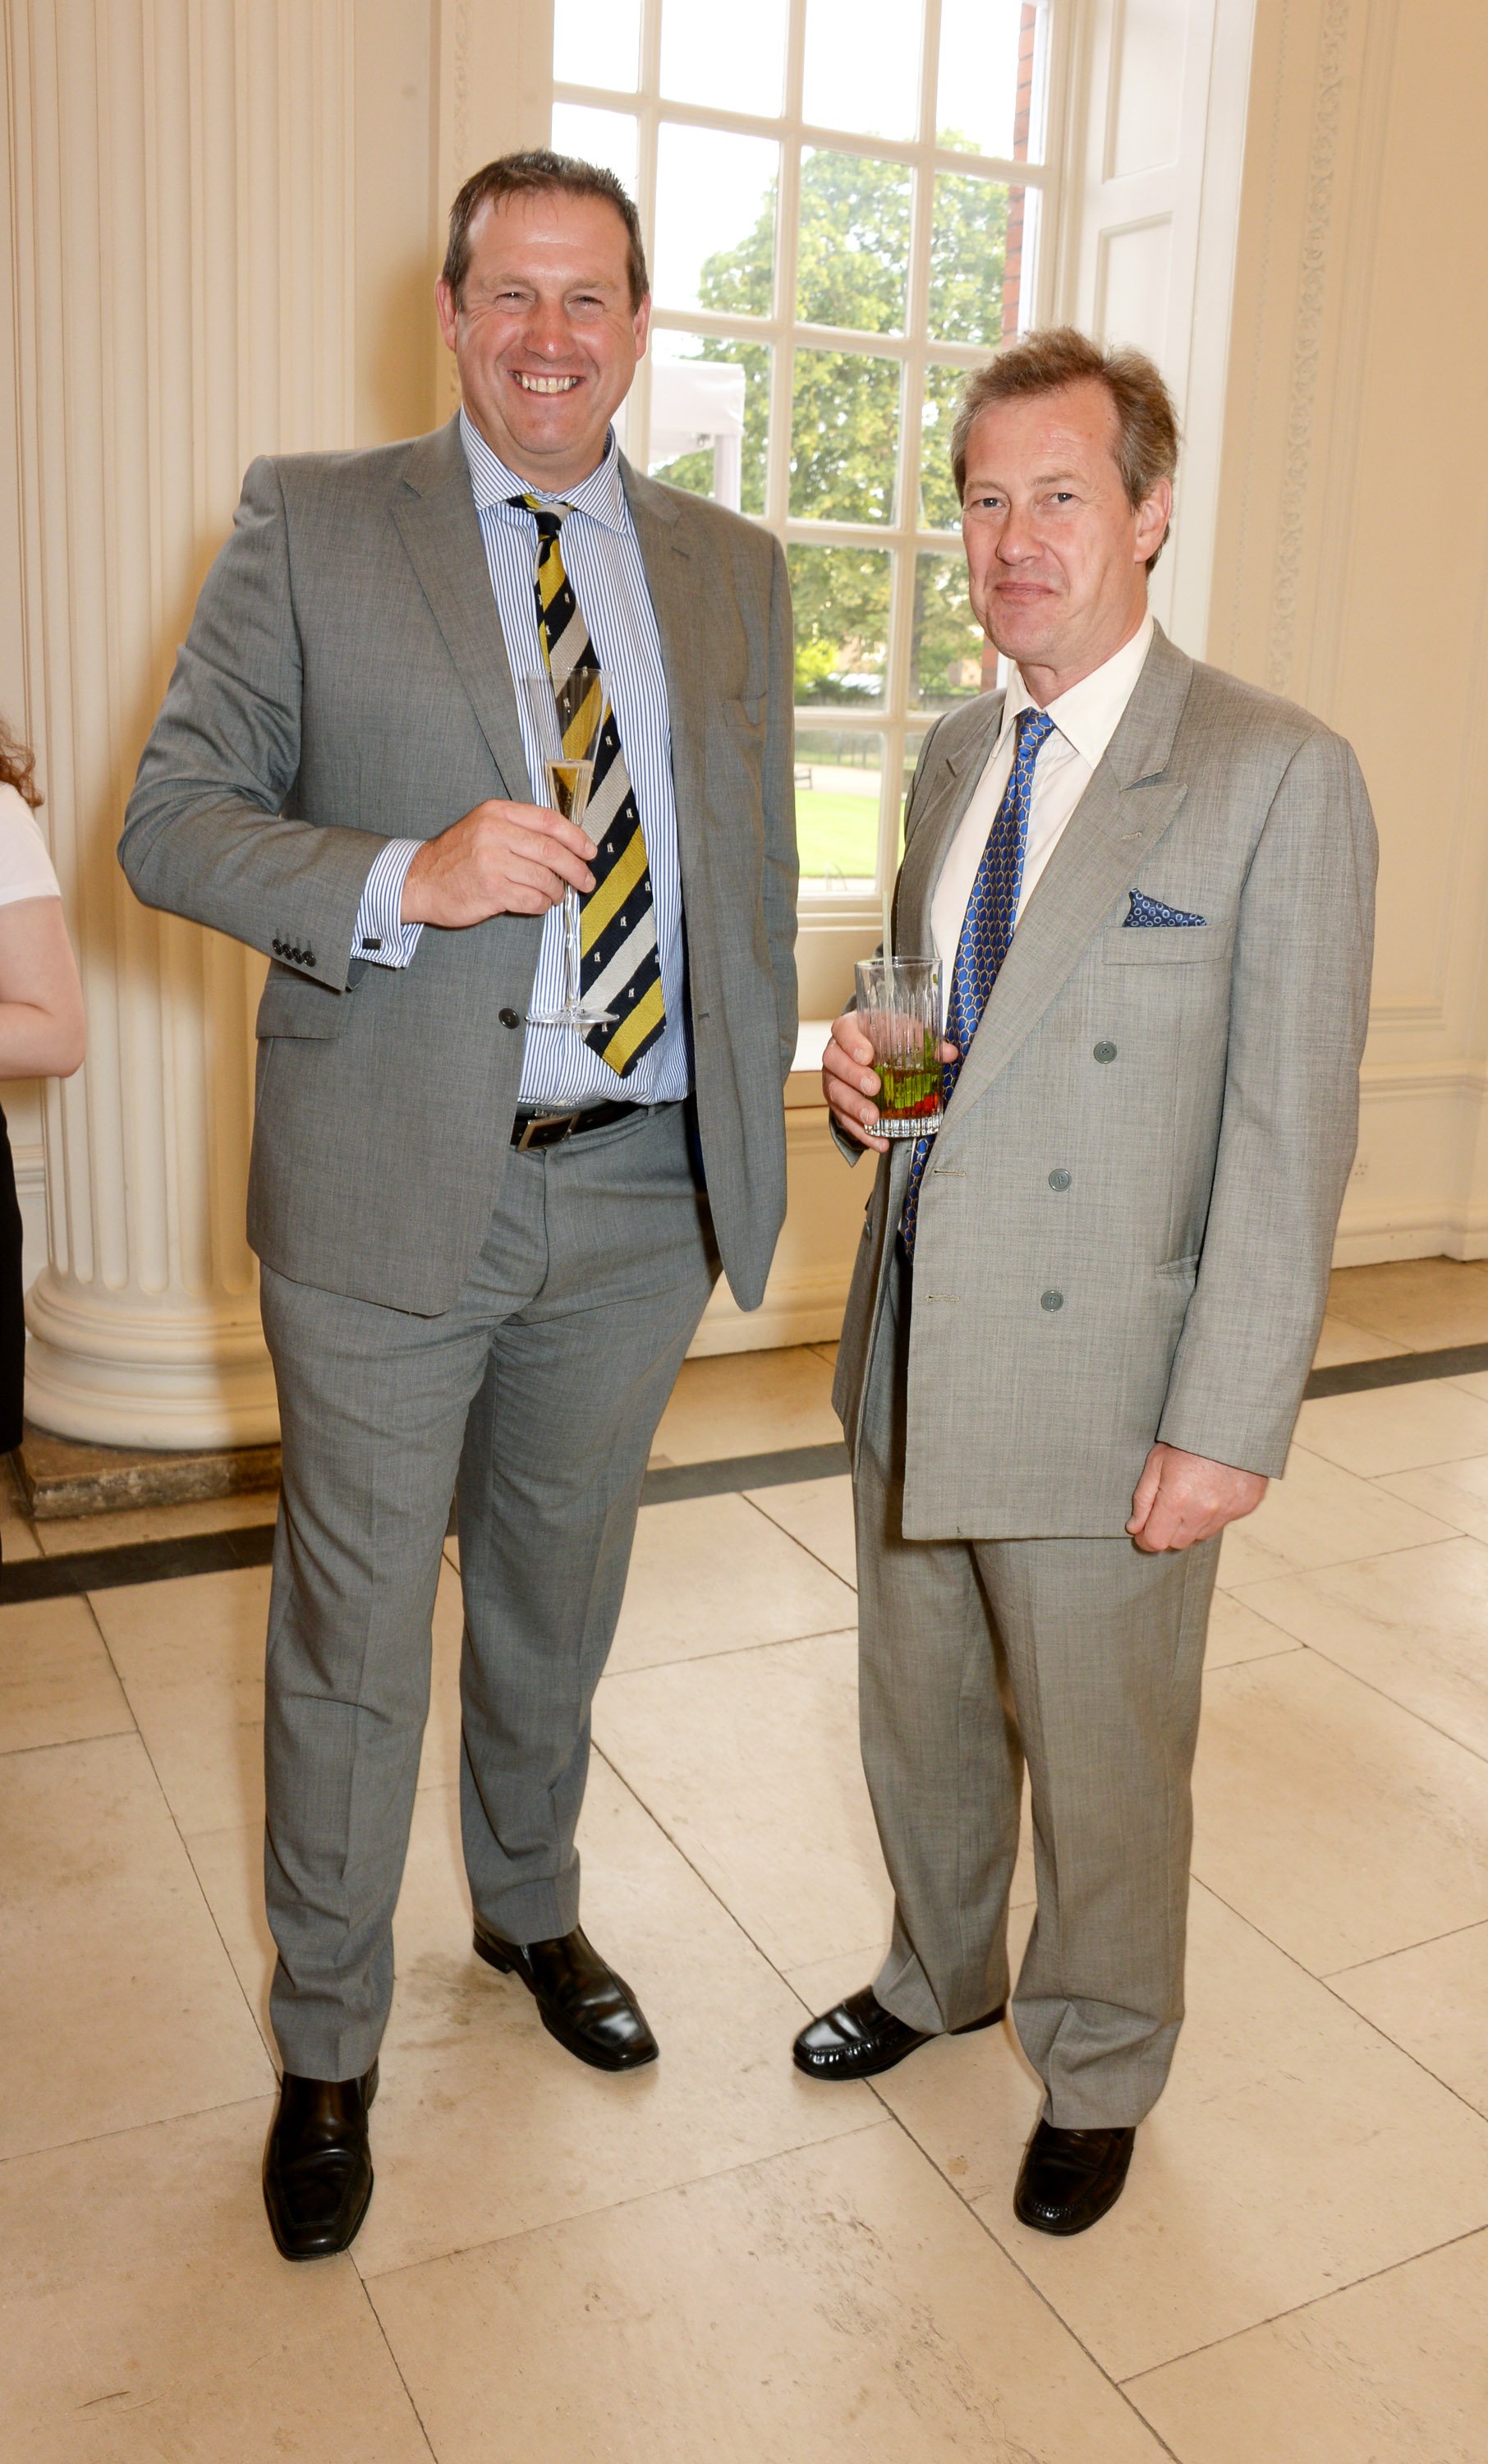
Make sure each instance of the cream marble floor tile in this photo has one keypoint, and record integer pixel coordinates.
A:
(1339, 1824)
(1421, 1303)
(17, 1533)
(1239, 1632)
(1319, 1515)
(750, 1763)
(191, 1655)
(1458, 1492)
(119, 2004)
(826, 1352)
(1294, 2150)
(818, 1514)
(1394, 2371)
(55, 1681)
(485, 2127)
(229, 1869)
(1396, 1428)
(746, 1403)
(833, 2300)
(1476, 1384)
(1413, 1625)
(147, 2317)
(710, 1574)
(75, 1533)
(1432, 2000)
(1339, 1342)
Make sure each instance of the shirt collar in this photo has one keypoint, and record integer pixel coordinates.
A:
(1088, 716)
(601, 495)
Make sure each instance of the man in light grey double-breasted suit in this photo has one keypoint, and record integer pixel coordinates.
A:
(1084, 1313)
(486, 1240)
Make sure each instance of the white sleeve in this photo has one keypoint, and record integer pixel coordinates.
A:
(26, 869)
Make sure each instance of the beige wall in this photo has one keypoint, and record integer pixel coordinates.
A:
(1352, 555)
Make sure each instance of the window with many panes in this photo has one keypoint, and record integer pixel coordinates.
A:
(841, 201)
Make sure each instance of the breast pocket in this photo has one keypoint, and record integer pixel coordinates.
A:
(1163, 945)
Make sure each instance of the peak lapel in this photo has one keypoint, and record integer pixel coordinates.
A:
(1128, 804)
(436, 518)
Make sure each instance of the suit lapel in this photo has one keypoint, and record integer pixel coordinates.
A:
(674, 582)
(1130, 803)
(436, 518)
(936, 819)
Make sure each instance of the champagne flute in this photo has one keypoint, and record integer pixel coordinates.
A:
(567, 720)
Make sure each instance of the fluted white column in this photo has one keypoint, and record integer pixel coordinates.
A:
(182, 179)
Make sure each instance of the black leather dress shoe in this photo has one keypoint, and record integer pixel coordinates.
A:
(860, 2038)
(318, 2166)
(580, 2001)
(1069, 2178)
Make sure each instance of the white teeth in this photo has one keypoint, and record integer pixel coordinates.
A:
(545, 385)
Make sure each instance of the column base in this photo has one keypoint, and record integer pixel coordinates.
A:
(60, 1478)
(173, 1377)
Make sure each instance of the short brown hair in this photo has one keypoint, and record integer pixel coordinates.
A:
(1147, 442)
(534, 174)
(18, 766)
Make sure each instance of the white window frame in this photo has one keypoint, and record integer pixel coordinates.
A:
(834, 925)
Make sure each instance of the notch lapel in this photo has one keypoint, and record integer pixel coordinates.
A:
(935, 825)
(436, 518)
(674, 581)
(1130, 803)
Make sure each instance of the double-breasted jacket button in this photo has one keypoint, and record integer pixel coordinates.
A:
(1052, 1300)
(509, 1018)
(1105, 1051)
(1059, 1178)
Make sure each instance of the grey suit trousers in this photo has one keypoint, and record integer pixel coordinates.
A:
(1082, 1658)
(541, 1387)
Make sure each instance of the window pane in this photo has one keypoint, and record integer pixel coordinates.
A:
(854, 242)
(970, 273)
(950, 655)
(862, 65)
(989, 96)
(706, 59)
(839, 776)
(841, 596)
(940, 507)
(710, 417)
(715, 220)
(596, 42)
(844, 437)
(607, 138)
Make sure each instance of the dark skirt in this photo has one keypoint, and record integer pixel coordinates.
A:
(12, 1316)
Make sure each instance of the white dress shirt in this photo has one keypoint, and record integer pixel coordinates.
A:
(1085, 718)
(602, 558)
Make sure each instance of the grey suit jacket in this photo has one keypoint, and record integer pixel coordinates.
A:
(345, 682)
(1198, 1086)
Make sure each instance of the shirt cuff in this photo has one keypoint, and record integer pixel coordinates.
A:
(381, 935)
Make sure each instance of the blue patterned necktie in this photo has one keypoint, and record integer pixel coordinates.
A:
(986, 933)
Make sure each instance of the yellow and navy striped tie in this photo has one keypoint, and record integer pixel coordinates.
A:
(619, 968)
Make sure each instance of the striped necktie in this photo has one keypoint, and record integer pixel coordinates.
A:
(619, 968)
(991, 913)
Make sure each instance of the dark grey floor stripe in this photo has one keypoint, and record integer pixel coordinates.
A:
(214, 1553)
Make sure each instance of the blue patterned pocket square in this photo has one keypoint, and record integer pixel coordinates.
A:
(1151, 911)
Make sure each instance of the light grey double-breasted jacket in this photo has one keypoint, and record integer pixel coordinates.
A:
(1126, 1221)
(345, 681)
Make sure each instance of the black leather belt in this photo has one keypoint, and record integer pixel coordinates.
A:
(551, 1129)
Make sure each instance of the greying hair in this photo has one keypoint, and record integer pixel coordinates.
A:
(1147, 441)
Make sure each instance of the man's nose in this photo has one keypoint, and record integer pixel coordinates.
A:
(547, 329)
(1015, 540)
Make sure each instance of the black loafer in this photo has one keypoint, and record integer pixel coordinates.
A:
(580, 2001)
(1069, 2178)
(860, 2038)
(318, 2166)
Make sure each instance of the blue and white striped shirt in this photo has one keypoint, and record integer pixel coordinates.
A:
(602, 561)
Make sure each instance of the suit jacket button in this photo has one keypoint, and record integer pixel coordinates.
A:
(1052, 1300)
(1059, 1180)
(509, 1018)
(1105, 1052)
(310, 958)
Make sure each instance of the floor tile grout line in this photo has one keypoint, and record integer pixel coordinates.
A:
(59, 1745)
(736, 1651)
(387, 2346)
(1473, 1925)
(1298, 2309)
(750, 1497)
(124, 2129)
(1320, 1651)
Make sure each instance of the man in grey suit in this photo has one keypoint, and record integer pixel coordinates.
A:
(1083, 1315)
(486, 1241)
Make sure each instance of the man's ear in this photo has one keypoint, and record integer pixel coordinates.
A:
(1154, 515)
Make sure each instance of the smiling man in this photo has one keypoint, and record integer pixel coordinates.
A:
(1083, 1315)
(486, 1241)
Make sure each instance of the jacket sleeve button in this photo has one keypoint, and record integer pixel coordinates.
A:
(509, 1018)
(1105, 1052)
(1052, 1300)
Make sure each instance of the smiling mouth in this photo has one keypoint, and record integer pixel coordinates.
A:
(545, 385)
